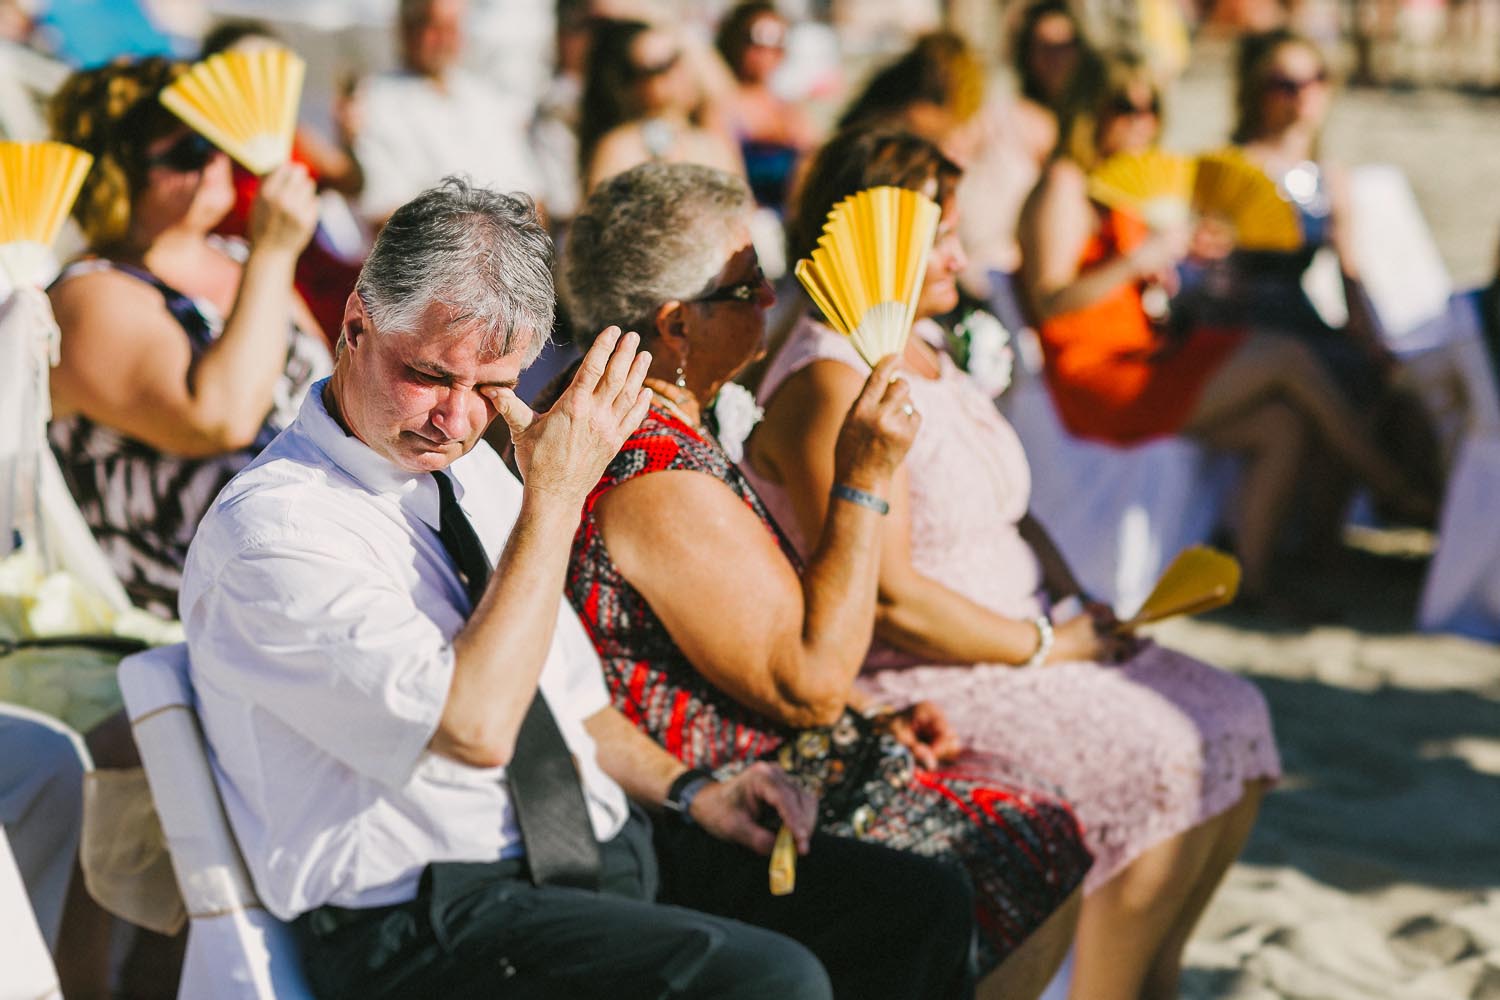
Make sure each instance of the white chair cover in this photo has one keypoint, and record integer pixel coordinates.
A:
(1462, 591)
(1119, 515)
(27, 966)
(236, 950)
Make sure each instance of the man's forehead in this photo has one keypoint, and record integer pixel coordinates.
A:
(448, 342)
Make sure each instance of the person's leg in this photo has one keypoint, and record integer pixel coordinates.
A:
(1233, 832)
(1267, 367)
(42, 763)
(480, 931)
(1125, 921)
(884, 923)
(1027, 970)
(1272, 438)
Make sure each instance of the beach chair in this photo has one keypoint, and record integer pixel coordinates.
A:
(1119, 514)
(236, 949)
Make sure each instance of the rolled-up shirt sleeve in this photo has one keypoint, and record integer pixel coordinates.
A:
(339, 654)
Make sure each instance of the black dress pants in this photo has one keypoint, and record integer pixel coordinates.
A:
(884, 924)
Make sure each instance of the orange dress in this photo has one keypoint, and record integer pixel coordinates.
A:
(1113, 377)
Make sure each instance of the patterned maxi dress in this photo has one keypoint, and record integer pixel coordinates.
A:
(1143, 750)
(1021, 848)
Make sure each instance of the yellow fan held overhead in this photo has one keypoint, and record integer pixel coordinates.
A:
(866, 272)
(1165, 190)
(243, 102)
(1199, 579)
(39, 182)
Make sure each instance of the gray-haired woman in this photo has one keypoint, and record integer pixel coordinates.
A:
(715, 639)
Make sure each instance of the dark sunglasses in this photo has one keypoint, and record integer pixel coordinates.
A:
(1289, 87)
(1123, 106)
(744, 292)
(191, 152)
(659, 69)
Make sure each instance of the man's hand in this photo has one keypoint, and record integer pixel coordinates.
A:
(924, 730)
(730, 810)
(565, 450)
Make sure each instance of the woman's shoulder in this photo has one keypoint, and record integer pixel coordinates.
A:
(810, 344)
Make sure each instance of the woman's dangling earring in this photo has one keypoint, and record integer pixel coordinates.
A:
(681, 378)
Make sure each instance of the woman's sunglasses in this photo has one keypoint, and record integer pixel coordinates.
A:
(744, 292)
(1289, 87)
(191, 152)
(1124, 106)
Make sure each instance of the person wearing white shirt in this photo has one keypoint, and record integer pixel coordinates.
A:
(432, 117)
(370, 688)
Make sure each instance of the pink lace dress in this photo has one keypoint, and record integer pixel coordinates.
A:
(1144, 750)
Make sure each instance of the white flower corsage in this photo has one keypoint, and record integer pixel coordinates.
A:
(735, 416)
(980, 345)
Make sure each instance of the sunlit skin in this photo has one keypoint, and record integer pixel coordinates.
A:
(435, 399)
(944, 264)
(1053, 54)
(1133, 131)
(193, 198)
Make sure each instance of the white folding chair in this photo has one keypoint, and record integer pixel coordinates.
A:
(236, 949)
(28, 972)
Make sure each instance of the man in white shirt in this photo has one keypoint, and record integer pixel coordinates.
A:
(432, 117)
(388, 716)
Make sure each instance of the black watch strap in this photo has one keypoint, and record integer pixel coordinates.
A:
(684, 789)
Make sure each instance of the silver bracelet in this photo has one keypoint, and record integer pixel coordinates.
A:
(1044, 637)
(861, 497)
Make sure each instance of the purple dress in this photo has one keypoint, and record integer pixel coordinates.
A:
(1144, 750)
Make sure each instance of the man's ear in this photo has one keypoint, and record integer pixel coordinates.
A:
(356, 322)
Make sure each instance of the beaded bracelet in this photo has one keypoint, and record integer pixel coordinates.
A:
(864, 499)
(1044, 636)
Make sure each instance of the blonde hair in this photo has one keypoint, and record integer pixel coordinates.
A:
(1091, 99)
(113, 112)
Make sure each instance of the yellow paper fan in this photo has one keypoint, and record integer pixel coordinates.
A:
(38, 184)
(1154, 185)
(784, 863)
(1199, 579)
(867, 270)
(243, 102)
(1231, 187)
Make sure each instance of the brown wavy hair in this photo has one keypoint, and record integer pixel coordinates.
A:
(939, 69)
(1253, 72)
(113, 113)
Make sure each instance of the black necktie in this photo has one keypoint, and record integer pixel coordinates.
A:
(544, 782)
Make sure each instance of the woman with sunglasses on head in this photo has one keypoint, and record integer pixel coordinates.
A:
(182, 353)
(1097, 281)
(646, 99)
(717, 639)
(1164, 758)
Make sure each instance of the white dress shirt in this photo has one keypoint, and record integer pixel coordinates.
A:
(320, 608)
(415, 133)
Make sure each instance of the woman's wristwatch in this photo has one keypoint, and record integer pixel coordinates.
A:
(684, 790)
(1044, 639)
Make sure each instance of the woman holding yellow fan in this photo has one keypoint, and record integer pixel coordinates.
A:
(1163, 757)
(1117, 375)
(182, 354)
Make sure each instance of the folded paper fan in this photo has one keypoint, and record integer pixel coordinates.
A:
(38, 184)
(1231, 187)
(867, 270)
(1199, 579)
(1154, 185)
(784, 863)
(243, 102)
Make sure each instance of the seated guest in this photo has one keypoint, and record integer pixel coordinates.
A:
(414, 742)
(183, 353)
(774, 133)
(1164, 758)
(643, 101)
(431, 117)
(1116, 372)
(716, 640)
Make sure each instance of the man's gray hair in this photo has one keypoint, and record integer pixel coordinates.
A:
(644, 237)
(482, 254)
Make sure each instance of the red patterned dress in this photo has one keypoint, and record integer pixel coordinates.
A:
(1022, 848)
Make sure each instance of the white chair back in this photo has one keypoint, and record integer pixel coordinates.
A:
(28, 974)
(236, 949)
